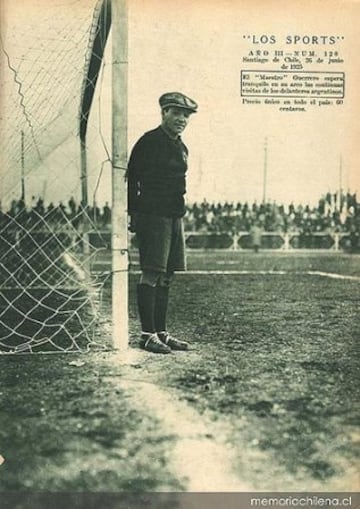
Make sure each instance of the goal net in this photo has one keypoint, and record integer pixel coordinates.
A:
(54, 174)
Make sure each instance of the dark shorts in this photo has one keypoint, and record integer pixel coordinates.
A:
(161, 243)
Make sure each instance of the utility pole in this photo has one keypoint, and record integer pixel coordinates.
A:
(265, 172)
(339, 193)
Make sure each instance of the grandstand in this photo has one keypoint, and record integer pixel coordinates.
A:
(331, 214)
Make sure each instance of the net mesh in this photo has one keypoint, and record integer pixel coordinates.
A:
(51, 57)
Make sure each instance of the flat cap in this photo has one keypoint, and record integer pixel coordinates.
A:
(178, 100)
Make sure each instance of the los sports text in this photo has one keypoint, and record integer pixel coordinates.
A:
(294, 39)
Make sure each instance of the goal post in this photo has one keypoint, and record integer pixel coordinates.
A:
(119, 165)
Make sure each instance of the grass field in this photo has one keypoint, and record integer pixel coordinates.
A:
(273, 365)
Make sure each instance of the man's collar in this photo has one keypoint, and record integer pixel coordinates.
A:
(174, 138)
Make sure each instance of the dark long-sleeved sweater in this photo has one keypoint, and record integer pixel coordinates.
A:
(156, 175)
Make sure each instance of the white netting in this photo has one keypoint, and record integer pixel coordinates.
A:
(49, 233)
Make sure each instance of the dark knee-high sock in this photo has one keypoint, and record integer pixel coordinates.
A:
(161, 306)
(146, 306)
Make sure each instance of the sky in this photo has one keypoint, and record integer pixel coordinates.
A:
(197, 47)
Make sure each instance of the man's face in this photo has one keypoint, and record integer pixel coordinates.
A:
(174, 120)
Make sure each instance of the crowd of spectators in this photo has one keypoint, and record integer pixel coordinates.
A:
(330, 215)
(56, 215)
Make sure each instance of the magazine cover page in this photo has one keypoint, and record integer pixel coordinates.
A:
(179, 253)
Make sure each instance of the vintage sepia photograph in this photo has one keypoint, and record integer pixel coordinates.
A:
(179, 253)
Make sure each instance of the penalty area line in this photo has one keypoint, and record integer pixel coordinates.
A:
(234, 272)
(333, 275)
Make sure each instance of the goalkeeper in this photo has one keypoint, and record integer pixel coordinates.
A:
(156, 187)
